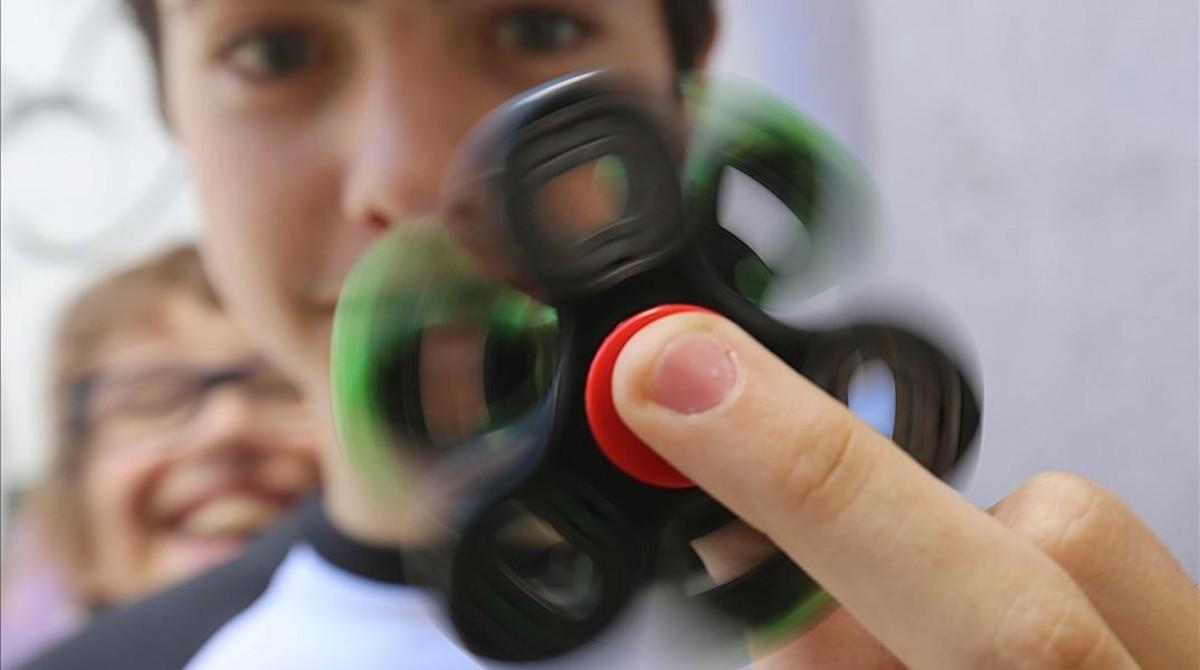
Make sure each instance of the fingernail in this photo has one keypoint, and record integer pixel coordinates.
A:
(693, 374)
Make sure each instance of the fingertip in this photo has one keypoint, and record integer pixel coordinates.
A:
(683, 364)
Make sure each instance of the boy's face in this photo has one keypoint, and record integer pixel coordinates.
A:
(310, 126)
(177, 475)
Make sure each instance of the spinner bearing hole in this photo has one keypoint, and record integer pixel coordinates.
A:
(764, 223)
(451, 374)
(871, 395)
(547, 567)
(584, 199)
(725, 555)
(451, 381)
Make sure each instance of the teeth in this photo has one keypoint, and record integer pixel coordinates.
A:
(230, 515)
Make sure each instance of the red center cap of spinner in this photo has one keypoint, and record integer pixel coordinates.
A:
(614, 438)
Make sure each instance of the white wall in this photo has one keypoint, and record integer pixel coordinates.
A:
(1037, 167)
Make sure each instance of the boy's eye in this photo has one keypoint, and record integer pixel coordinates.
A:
(273, 53)
(538, 31)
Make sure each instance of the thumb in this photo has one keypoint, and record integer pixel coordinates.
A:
(740, 422)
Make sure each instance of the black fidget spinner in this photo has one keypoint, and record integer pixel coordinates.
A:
(471, 356)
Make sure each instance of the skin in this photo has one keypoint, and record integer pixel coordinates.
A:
(298, 169)
(165, 505)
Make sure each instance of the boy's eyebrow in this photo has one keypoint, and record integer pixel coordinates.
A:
(188, 5)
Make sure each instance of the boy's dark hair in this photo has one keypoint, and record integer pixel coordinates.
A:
(691, 22)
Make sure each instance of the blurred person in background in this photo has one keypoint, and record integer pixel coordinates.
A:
(176, 444)
(311, 127)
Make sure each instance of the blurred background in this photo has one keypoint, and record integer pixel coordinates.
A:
(1036, 164)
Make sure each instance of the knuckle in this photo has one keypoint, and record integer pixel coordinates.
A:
(1041, 632)
(825, 470)
(1066, 516)
(1063, 486)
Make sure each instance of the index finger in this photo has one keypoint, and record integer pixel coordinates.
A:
(938, 581)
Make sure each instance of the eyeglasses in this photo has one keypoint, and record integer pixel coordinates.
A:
(159, 399)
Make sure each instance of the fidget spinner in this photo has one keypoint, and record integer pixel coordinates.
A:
(472, 356)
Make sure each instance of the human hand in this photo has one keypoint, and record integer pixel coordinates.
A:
(1060, 574)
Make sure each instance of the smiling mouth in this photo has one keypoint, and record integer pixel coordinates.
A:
(230, 515)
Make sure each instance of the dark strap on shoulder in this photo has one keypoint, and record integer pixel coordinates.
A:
(166, 630)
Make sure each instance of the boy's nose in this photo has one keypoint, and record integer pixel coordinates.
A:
(225, 421)
(407, 123)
